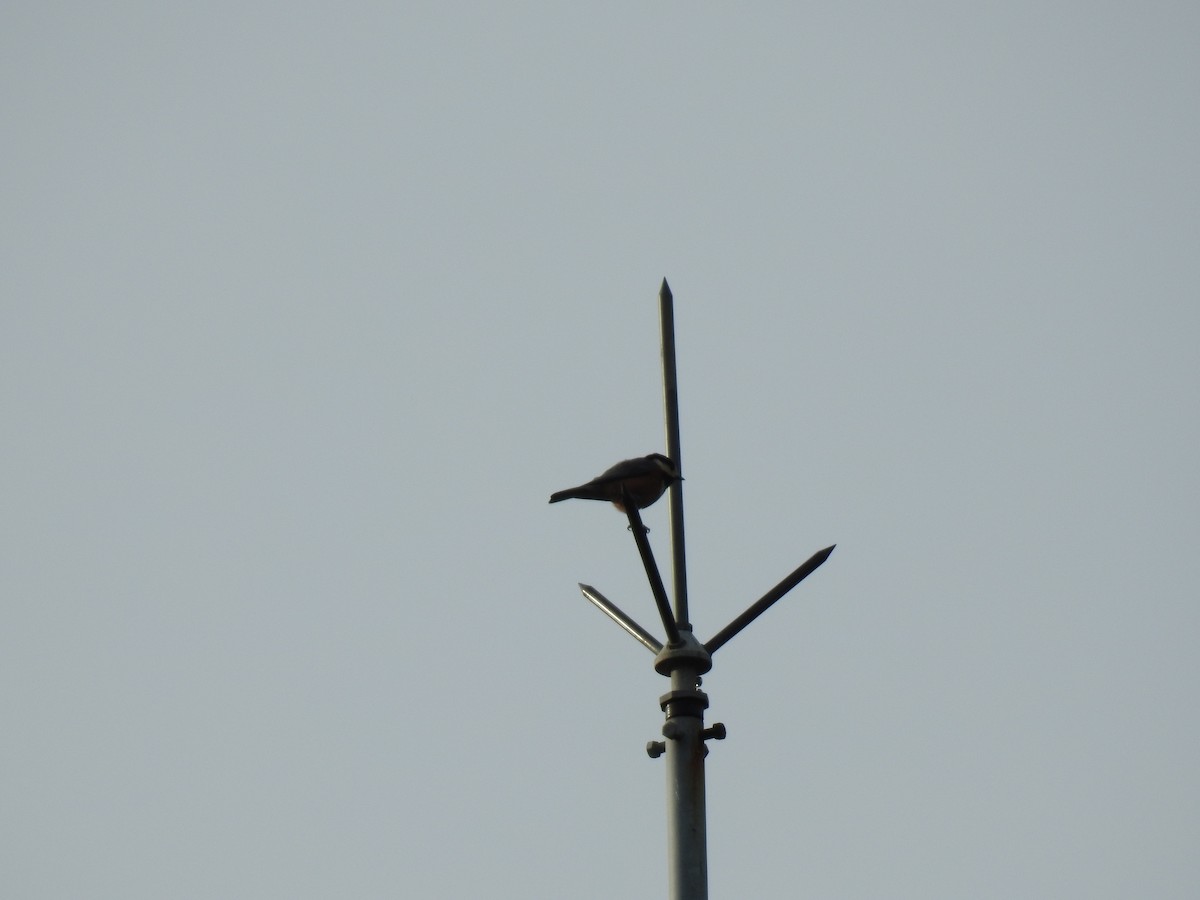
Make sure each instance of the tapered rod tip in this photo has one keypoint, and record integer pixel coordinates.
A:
(665, 290)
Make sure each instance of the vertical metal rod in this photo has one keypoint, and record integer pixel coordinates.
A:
(671, 402)
(687, 844)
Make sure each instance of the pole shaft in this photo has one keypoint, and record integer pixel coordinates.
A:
(687, 845)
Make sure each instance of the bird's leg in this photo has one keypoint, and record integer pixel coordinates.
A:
(630, 509)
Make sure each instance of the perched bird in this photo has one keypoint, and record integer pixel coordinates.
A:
(643, 480)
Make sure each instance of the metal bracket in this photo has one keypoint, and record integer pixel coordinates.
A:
(655, 749)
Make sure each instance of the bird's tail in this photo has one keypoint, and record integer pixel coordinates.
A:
(583, 492)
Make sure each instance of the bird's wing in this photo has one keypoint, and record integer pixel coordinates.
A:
(624, 469)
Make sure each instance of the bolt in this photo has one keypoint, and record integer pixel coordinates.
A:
(655, 749)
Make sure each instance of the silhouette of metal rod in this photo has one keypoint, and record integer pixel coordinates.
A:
(610, 609)
(656, 582)
(760, 606)
(666, 309)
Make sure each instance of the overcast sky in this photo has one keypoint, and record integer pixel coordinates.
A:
(307, 308)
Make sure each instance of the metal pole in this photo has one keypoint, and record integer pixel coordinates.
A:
(683, 659)
(687, 841)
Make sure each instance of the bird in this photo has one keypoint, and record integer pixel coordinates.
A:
(642, 480)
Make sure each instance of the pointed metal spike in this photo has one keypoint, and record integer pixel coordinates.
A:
(761, 605)
(610, 609)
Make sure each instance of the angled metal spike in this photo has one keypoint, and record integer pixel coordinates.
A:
(763, 603)
(652, 573)
(610, 609)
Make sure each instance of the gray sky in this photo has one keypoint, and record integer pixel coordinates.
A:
(307, 309)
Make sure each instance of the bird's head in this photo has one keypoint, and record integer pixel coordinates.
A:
(666, 466)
